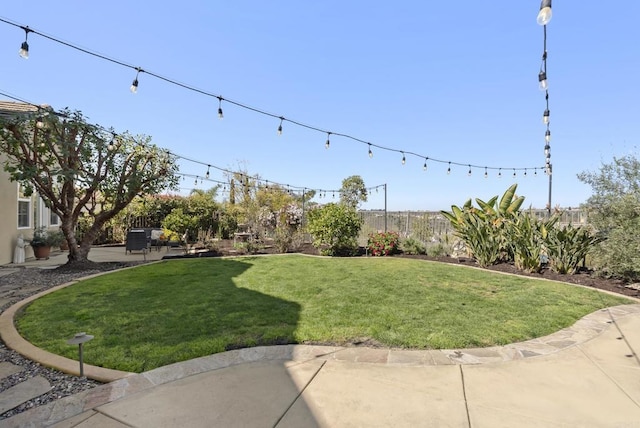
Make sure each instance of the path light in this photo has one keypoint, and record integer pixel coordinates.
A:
(79, 339)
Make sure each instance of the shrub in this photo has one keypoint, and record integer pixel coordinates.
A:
(334, 229)
(413, 246)
(383, 243)
(568, 247)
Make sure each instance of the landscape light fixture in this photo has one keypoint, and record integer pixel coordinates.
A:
(79, 339)
(24, 48)
(134, 85)
(544, 15)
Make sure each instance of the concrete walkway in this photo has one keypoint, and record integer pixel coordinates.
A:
(587, 375)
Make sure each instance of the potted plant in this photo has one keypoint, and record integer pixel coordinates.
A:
(42, 241)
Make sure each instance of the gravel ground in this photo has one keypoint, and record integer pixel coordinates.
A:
(20, 285)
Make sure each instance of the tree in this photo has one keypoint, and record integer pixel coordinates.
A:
(81, 169)
(353, 191)
(614, 210)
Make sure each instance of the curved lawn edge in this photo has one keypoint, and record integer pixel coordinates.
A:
(15, 341)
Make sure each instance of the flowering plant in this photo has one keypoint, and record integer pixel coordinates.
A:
(383, 243)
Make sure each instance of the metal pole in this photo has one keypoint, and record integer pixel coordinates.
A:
(385, 207)
(81, 366)
(550, 181)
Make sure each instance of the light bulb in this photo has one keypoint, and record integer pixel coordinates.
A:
(486, 174)
(404, 159)
(542, 80)
(469, 173)
(280, 126)
(547, 149)
(449, 169)
(220, 114)
(424, 167)
(499, 173)
(514, 173)
(39, 123)
(370, 152)
(207, 174)
(134, 86)
(545, 117)
(328, 143)
(547, 136)
(544, 15)
(24, 50)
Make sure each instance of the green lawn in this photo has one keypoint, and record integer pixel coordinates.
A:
(158, 314)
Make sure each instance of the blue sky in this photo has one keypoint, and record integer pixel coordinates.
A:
(454, 81)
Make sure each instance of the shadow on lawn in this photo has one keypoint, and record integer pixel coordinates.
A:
(202, 311)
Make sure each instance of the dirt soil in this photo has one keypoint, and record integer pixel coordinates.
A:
(583, 277)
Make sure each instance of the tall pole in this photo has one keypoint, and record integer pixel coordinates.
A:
(385, 207)
(550, 180)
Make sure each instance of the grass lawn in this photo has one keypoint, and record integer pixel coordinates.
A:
(158, 314)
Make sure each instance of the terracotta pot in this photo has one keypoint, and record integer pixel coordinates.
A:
(41, 252)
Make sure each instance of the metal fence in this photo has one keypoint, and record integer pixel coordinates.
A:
(431, 225)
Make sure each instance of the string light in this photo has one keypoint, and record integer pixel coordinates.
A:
(525, 172)
(208, 173)
(469, 173)
(134, 86)
(280, 126)
(545, 116)
(544, 15)
(404, 159)
(328, 143)
(514, 173)
(424, 167)
(220, 114)
(547, 136)
(542, 81)
(370, 152)
(449, 169)
(500, 173)
(24, 48)
(486, 174)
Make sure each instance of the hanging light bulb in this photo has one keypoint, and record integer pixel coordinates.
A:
(514, 173)
(499, 172)
(196, 181)
(404, 159)
(547, 136)
(544, 15)
(545, 117)
(370, 152)
(486, 174)
(469, 173)
(535, 172)
(525, 172)
(280, 126)
(542, 81)
(220, 114)
(449, 168)
(134, 85)
(328, 143)
(24, 48)
(547, 149)
(207, 174)
(424, 167)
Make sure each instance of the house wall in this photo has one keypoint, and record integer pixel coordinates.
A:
(9, 218)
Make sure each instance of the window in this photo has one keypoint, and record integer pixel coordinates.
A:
(24, 209)
(54, 220)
